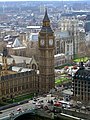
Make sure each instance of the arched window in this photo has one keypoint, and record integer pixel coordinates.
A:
(34, 66)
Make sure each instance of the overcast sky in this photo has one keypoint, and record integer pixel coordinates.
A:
(41, 0)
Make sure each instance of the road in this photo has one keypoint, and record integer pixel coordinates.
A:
(27, 106)
(6, 113)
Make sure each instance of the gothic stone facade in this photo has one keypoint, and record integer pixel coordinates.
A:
(46, 57)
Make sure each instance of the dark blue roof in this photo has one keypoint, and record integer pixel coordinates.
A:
(46, 29)
(82, 74)
(46, 18)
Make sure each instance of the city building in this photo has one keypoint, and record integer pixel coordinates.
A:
(46, 57)
(16, 81)
(32, 45)
(21, 61)
(68, 35)
(64, 44)
(33, 28)
(16, 47)
(71, 38)
(87, 24)
(59, 59)
(81, 84)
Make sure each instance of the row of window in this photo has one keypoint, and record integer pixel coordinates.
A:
(82, 85)
(19, 88)
(84, 98)
(81, 82)
(16, 82)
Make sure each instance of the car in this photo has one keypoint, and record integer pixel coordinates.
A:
(79, 102)
(33, 102)
(38, 105)
(1, 112)
(29, 101)
(57, 104)
(63, 106)
(68, 106)
(19, 109)
(83, 108)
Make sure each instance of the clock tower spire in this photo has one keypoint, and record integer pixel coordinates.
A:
(46, 57)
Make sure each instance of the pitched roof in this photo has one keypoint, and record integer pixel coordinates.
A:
(18, 59)
(20, 69)
(46, 28)
(16, 43)
(46, 18)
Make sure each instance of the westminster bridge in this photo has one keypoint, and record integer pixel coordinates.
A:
(29, 114)
(40, 114)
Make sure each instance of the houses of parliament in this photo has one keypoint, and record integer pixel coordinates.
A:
(14, 82)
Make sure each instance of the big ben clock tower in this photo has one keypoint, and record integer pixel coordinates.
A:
(46, 57)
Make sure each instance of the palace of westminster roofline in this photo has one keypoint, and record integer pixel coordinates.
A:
(6, 71)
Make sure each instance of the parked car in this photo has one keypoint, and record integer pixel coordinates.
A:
(68, 106)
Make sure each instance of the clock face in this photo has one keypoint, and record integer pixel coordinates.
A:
(51, 42)
(42, 42)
